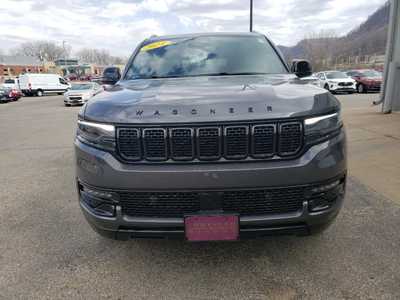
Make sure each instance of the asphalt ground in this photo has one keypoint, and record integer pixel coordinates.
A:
(48, 251)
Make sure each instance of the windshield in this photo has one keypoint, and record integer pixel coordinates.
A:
(336, 75)
(9, 81)
(81, 87)
(206, 56)
(371, 73)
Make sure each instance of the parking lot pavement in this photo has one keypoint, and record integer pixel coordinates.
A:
(47, 250)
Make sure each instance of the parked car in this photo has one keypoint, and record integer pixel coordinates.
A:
(81, 92)
(9, 94)
(211, 137)
(111, 75)
(367, 80)
(11, 83)
(336, 82)
(32, 84)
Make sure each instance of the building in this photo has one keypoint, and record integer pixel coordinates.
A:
(14, 65)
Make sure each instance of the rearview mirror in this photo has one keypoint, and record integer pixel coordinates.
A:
(301, 67)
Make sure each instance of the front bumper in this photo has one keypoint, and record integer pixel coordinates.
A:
(338, 88)
(320, 163)
(75, 101)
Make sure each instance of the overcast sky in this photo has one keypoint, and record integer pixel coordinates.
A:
(119, 25)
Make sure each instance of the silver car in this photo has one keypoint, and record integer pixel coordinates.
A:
(81, 92)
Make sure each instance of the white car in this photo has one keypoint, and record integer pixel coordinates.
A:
(81, 92)
(336, 82)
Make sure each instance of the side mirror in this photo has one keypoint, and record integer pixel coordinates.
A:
(111, 78)
(301, 67)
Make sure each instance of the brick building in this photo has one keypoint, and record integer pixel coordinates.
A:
(14, 65)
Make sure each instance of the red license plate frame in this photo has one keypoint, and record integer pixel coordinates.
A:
(205, 228)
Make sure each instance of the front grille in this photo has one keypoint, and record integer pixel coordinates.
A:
(243, 202)
(75, 98)
(208, 143)
(147, 204)
(236, 142)
(182, 143)
(345, 84)
(290, 138)
(154, 143)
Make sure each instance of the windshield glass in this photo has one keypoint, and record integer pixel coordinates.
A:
(9, 81)
(371, 73)
(336, 75)
(206, 56)
(81, 86)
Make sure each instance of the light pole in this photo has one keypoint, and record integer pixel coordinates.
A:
(251, 15)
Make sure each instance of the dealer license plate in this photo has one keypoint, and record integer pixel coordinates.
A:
(212, 228)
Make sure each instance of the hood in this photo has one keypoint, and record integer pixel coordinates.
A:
(372, 78)
(79, 93)
(209, 99)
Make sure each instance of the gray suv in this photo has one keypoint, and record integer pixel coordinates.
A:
(210, 137)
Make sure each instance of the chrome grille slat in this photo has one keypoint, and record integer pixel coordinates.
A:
(210, 143)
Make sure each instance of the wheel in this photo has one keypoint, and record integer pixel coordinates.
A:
(39, 93)
(361, 89)
(59, 93)
(326, 87)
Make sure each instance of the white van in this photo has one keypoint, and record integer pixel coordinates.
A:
(39, 84)
(11, 83)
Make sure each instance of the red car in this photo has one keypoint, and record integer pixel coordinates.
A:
(7, 94)
(15, 94)
(367, 80)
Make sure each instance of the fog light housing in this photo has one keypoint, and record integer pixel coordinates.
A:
(102, 203)
(324, 196)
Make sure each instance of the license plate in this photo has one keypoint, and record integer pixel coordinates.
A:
(212, 228)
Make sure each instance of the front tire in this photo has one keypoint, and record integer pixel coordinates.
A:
(361, 89)
(39, 93)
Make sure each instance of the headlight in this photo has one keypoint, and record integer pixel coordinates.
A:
(97, 135)
(320, 128)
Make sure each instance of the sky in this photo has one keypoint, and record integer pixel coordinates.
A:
(119, 26)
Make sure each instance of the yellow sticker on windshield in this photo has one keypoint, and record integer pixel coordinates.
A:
(156, 45)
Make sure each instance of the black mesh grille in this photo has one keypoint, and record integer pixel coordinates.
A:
(159, 204)
(182, 143)
(290, 138)
(263, 140)
(236, 142)
(129, 143)
(264, 201)
(155, 144)
(243, 202)
(209, 143)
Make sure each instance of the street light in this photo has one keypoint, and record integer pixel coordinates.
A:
(251, 15)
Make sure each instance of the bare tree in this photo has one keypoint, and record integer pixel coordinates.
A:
(319, 48)
(43, 50)
(98, 56)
